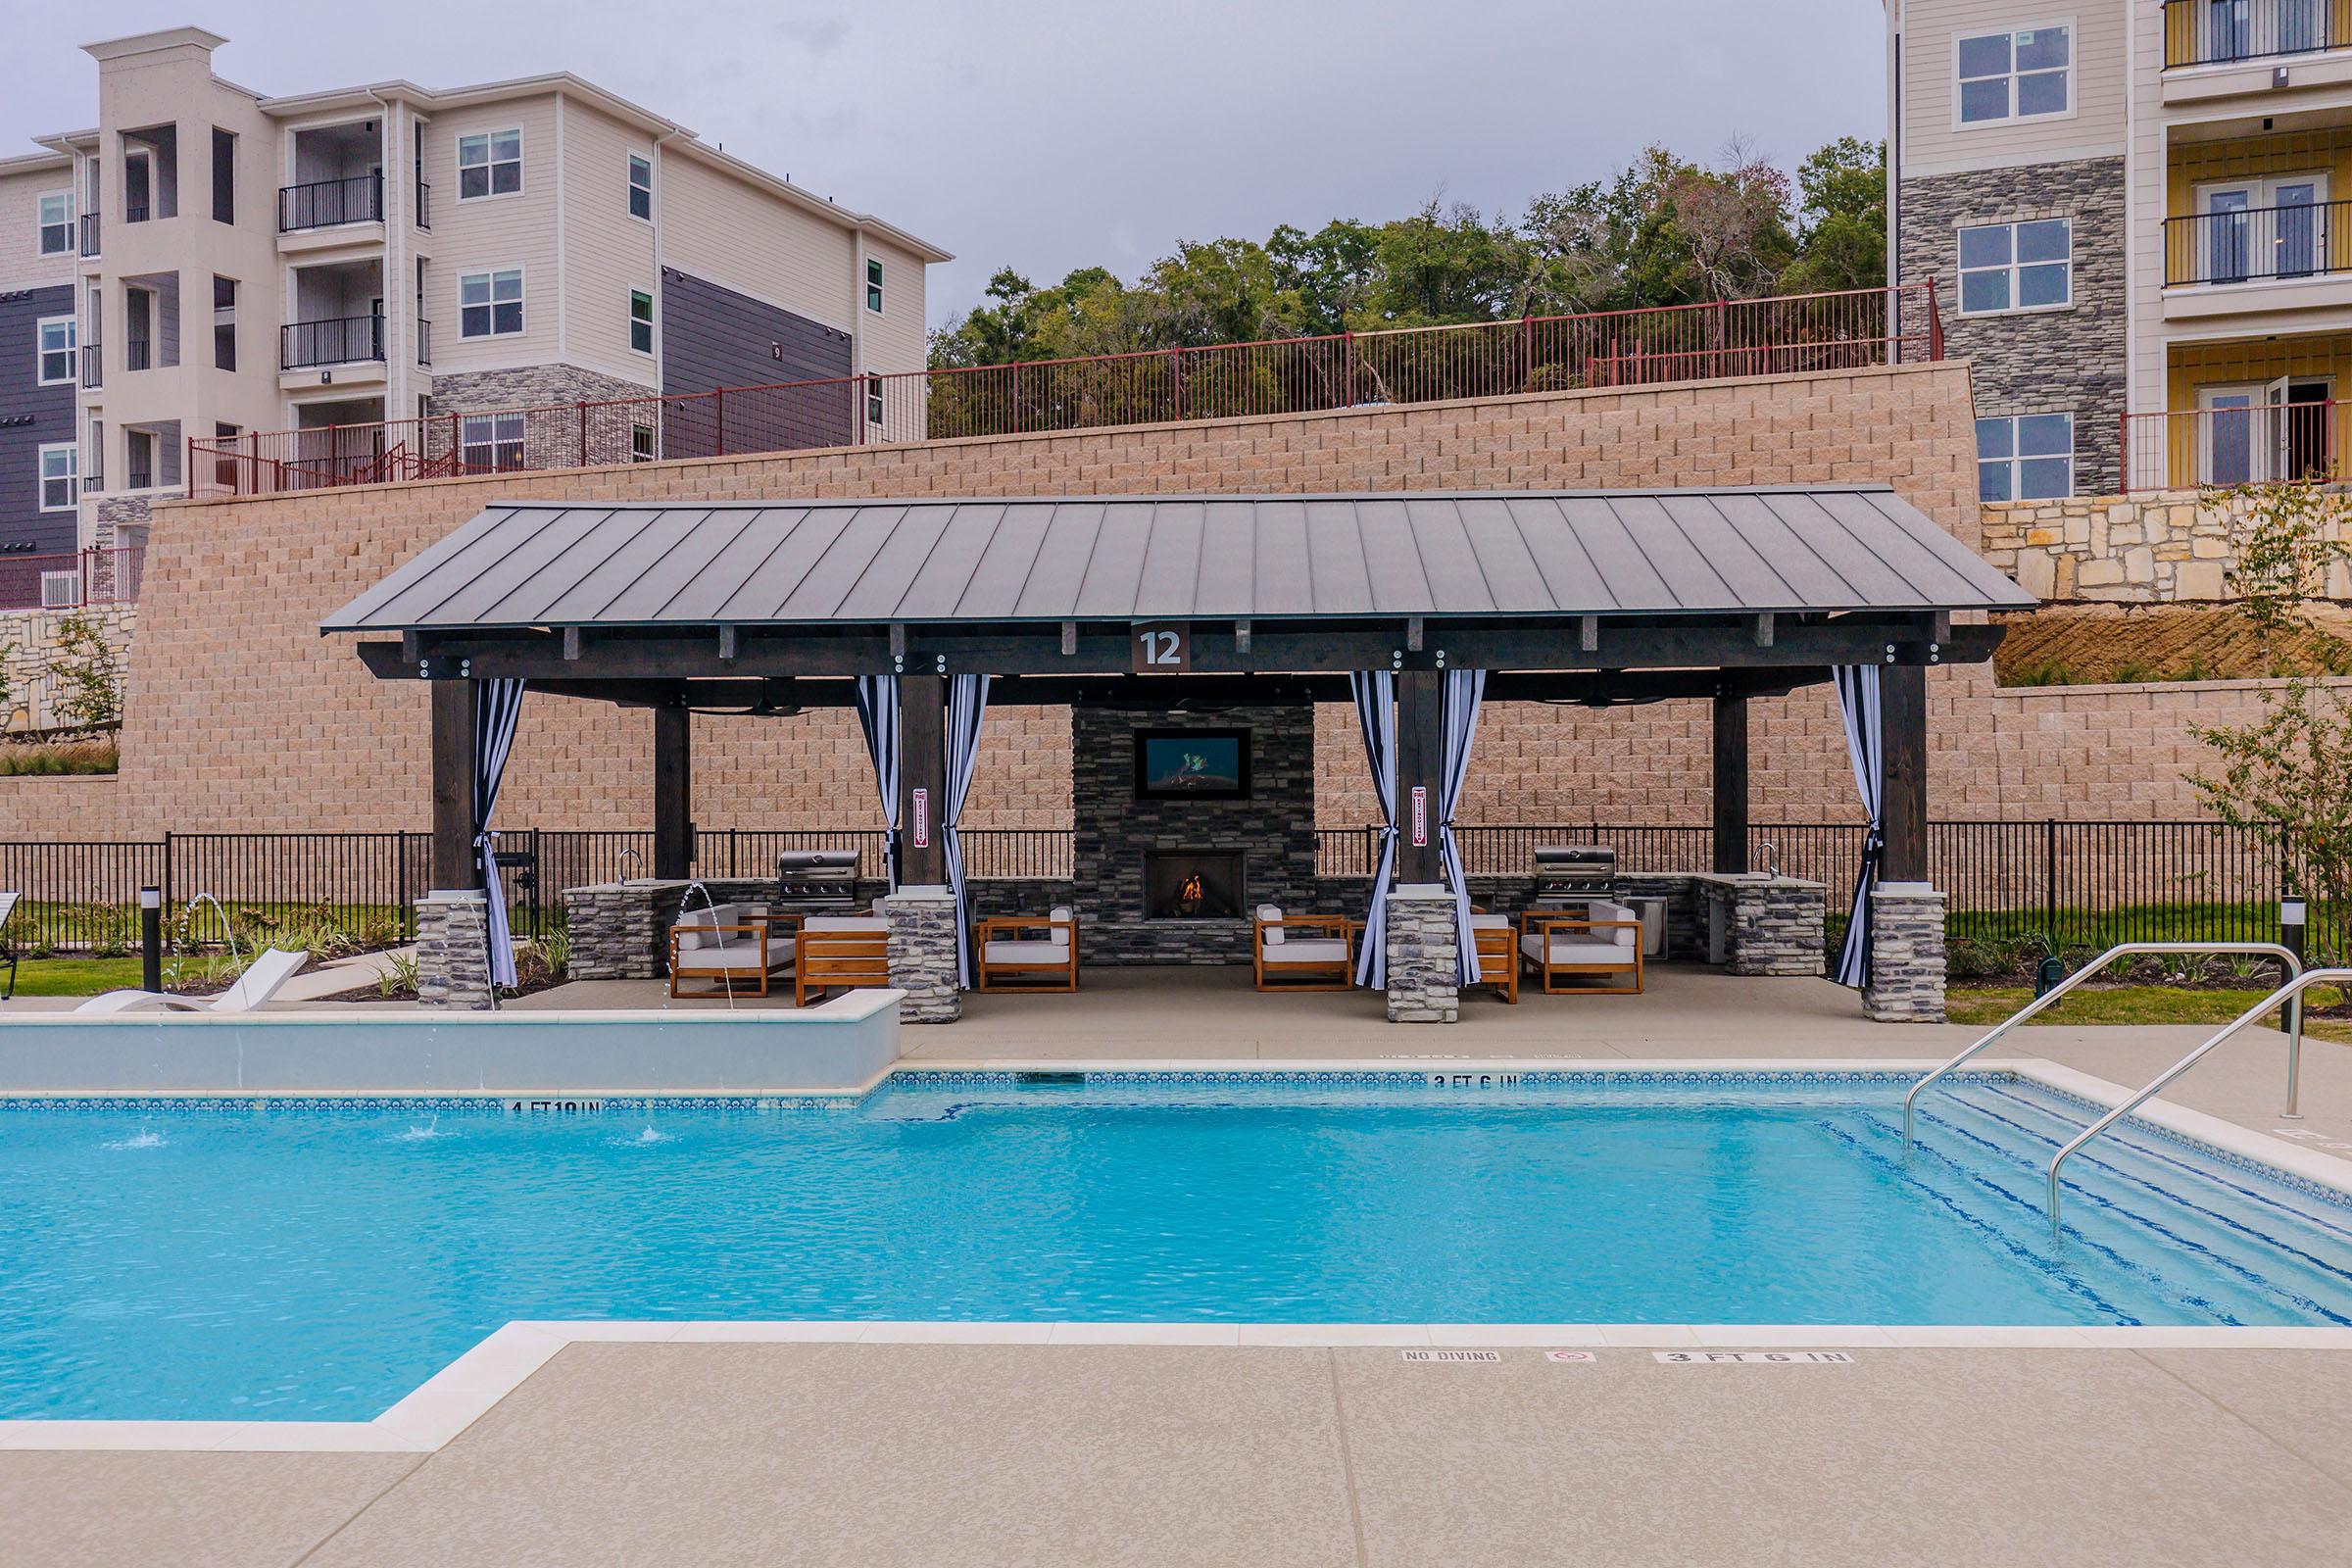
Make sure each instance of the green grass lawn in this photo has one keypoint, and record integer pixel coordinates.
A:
(76, 977)
(2130, 1004)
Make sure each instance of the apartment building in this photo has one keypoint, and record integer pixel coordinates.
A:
(383, 269)
(2131, 211)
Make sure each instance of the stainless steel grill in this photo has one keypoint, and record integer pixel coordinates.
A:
(1567, 873)
(816, 882)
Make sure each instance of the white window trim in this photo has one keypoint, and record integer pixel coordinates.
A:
(457, 165)
(1960, 273)
(630, 164)
(653, 444)
(869, 287)
(2074, 68)
(2074, 452)
(40, 475)
(73, 223)
(647, 295)
(73, 351)
(523, 283)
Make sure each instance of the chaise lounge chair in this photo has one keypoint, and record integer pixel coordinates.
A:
(1302, 952)
(732, 947)
(1013, 961)
(1605, 940)
(269, 969)
(841, 953)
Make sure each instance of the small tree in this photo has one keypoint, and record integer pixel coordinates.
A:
(89, 676)
(2287, 776)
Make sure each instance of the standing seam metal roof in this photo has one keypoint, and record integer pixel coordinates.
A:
(1118, 557)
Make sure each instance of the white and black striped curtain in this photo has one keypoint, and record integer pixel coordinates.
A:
(878, 717)
(497, 709)
(1464, 691)
(1858, 703)
(1376, 714)
(967, 706)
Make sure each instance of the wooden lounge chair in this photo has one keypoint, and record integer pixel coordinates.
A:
(841, 953)
(736, 949)
(1302, 952)
(1015, 956)
(1604, 941)
(1497, 953)
(270, 968)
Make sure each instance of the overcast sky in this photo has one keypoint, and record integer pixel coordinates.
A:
(1046, 135)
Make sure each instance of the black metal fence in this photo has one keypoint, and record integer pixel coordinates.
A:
(2069, 885)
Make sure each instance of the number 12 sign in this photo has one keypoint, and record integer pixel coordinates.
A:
(1162, 647)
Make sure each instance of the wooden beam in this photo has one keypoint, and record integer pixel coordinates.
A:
(673, 791)
(1903, 733)
(1731, 782)
(922, 779)
(452, 741)
(1420, 765)
(1728, 644)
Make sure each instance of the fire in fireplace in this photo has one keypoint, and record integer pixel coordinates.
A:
(1193, 884)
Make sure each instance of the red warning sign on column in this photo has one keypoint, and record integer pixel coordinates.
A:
(1420, 817)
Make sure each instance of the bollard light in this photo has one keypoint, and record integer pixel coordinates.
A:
(151, 939)
(2294, 916)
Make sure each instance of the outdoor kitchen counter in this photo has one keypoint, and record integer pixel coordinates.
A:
(1755, 924)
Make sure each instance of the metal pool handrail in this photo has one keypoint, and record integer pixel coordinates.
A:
(2281, 997)
(2294, 968)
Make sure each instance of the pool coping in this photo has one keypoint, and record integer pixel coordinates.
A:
(445, 1404)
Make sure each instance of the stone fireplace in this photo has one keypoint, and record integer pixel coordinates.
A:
(1196, 885)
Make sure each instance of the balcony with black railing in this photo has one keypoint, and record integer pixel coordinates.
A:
(93, 365)
(424, 342)
(2259, 244)
(89, 233)
(2212, 32)
(343, 340)
(424, 205)
(330, 203)
(138, 354)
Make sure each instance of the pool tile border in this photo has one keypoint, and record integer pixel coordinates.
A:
(462, 1392)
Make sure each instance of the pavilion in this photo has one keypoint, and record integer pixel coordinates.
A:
(922, 611)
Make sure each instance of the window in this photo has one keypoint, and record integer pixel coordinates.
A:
(59, 475)
(2016, 266)
(641, 187)
(490, 304)
(490, 443)
(224, 323)
(873, 400)
(2025, 456)
(873, 285)
(225, 176)
(2016, 76)
(57, 345)
(489, 163)
(641, 443)
(57, 223)
(641, 322)
(138, 456)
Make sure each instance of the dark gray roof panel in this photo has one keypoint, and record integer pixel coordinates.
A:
(1563, 553)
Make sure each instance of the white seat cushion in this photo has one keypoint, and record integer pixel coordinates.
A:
(847, 924)
(1026, 953)
(1489, 922)
(1577, 949)
(695, 929)
(1269, 912)
(1304, 950)
(739, 956)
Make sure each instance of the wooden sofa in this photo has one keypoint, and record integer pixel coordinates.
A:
(1023, 952)
(733, 949)
(1302, 952)
(1603, 942)
(841, 953)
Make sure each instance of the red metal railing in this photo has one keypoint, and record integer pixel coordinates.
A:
(2248, 443)
(1778, 336)
(70, 579)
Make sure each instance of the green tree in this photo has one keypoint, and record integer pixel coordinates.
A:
(89, 676)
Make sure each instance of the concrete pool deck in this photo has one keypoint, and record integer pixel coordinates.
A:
(867, 1453)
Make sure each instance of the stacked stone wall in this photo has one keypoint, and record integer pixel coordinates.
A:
(2161, 547)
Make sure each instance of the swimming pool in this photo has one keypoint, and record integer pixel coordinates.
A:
(305, 1259)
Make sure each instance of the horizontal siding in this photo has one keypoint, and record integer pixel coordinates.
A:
(1932, 31)
(21, 263)
(490, 234)
(717, 227)
(713, 336)
(607, 253)
(31, 416)
(895, 340)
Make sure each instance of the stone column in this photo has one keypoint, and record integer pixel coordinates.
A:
(922, 954)
(1906, 955)
(1424, 973)
(452, 951)
(1777, 928)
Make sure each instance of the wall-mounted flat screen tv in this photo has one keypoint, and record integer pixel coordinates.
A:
(1202, 764)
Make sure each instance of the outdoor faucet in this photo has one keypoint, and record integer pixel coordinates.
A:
(628, 853)
(1772, 858)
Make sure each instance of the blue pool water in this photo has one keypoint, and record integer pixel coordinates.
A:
(301, 1260)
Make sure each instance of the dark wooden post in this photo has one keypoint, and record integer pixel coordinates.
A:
(1420, 764)
(673, 791)
(454, 864)
(922, 779)
(1730, 781)
(1903, 733)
